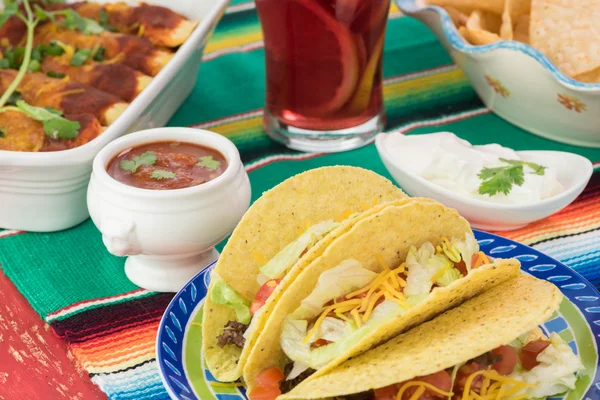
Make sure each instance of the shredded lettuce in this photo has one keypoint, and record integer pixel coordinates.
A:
(556, 372)
(347, 277)
(278, 266)
(292, 334)
(331, 329)
(222, 293)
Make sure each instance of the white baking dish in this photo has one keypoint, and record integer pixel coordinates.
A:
(47, 191)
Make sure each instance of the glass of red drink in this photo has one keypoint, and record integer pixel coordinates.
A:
(323, 70)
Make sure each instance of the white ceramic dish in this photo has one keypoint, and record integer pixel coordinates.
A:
(169, 234)
(46, 191)
(519, 83)
(574, 172)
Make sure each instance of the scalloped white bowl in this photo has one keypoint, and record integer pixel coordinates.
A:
(519, 83)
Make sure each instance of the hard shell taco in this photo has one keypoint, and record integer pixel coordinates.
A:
(490, 347)
(391, 271)
(281, 233)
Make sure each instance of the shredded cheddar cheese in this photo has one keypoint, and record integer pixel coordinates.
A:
(141, 30)
(481, 259)
(226, 385)
(386, 285)
(442, 271)
(422, 385)
(502, 388)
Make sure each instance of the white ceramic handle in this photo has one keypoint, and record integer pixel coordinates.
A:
(118, 235)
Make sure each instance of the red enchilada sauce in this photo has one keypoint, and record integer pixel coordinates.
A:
(167, 165)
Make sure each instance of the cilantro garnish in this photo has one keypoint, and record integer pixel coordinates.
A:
(103, 20)
(501, 179)
(1, 133)
(53, 48)
(99, 54)
(54, 74)
(10, 9)
(147, 158)
(72, 20)
(80, 57)
(208, 162)
(34, 66)
(161, 174)
(55, 125)
(13, 98)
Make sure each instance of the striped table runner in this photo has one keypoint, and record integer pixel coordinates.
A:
(110, 325)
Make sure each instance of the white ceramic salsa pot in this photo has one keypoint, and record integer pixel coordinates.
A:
(169, 235)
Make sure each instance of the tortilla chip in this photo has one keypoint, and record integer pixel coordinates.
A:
(457, 16)
(521, 29)
(513, 10)
(388, 234)
(466, 6)
(277, 218)
(478, 37)
(490, 320)
(486, 21)
(589, 77)
(568, 33)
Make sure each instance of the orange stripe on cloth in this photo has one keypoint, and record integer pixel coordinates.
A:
(581, 216)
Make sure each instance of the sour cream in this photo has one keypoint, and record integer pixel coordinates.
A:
(453, 163)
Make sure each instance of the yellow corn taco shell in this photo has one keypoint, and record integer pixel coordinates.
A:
(388, 236)
(276, 219)
(494, 318)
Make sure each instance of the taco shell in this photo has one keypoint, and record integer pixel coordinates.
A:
(387, 235)
(277, 218)
(494, 318)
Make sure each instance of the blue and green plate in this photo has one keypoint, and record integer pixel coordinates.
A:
(179, 340)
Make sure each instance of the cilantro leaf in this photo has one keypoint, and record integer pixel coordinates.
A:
(34, 66)
(80, 57)
(99, 54)
(147, 158)
(208, 162)
(71, 20)
(501, 179)
(103, 20)
(53, 49)
(161, 174)
(13, 98)
(55, 125)
(54, 74)
(1, 133)
(10, 9)
(537, 169)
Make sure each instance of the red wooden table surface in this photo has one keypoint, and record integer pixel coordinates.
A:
(34, 363)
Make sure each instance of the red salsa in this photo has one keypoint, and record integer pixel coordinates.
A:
(167, 165)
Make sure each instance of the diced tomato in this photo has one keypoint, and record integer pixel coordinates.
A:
(267, 385)
(507, 357)
(461, 267)
(386, 393)
(270, 377)
(463, 374)
(440, 380)
(530, 351)
(319, 343)
(264, 393)
(263, 294)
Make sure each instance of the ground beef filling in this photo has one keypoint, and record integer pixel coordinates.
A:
(233, 334)
(286, 386)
